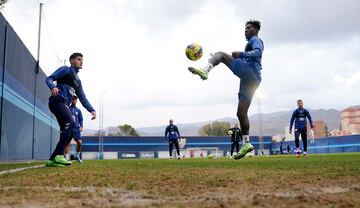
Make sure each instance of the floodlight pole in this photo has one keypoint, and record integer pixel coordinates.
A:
(39, 32)
(101, 125)
(261, 140)
(37, 69)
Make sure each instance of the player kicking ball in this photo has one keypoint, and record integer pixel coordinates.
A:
(247, 66)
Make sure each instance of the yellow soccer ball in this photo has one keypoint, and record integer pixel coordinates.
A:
(194, 51)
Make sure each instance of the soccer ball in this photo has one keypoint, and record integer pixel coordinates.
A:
(230, 132)
(194, 51)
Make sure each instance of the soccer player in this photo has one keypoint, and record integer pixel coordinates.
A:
(247, 66)
(235, 138)
(299, 116)
(67, 85)
(172, 134)
(77, 115)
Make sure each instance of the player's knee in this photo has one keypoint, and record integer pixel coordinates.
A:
(241, 115)
(219, 53)
(79, 142)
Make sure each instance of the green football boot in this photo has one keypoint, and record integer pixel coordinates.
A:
(246, 148)
(202, 73)
(51, 163)
(60, 159)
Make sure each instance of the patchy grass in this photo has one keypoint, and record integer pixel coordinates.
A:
(331, 180)
(10, 166)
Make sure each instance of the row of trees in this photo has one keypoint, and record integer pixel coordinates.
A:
(125, 130)
(213, 129)
(122, 130)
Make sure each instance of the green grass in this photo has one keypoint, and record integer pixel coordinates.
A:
(192, 181)
(10, 166)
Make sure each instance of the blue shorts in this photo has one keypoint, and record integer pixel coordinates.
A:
(76, 135)
(250, 78)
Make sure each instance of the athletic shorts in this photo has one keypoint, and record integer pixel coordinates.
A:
(250, 78)
(77, 135)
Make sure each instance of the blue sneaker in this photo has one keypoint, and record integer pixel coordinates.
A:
(79, 159)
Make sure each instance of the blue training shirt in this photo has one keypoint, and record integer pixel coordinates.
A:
(172, 132)
(253, 52)
(77, 115)
(69, 84)
(299, 116)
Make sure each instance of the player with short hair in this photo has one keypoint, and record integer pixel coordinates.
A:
(172, 134)
(67, 85)
(247, 66)
(299, 116)
(236, 136)
(77, 115)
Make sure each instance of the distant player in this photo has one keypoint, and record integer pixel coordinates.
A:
(67, 85)
(247, 66)
(172, 134)
(299, 116)
(78, 127)
(236, 137)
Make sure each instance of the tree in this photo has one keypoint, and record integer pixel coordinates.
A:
(127, 130)
(215, 129)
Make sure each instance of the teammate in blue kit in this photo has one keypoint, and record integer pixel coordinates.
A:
(78, 127)
(173, 135)
(299, 116)
(247, 66)
(67, 85)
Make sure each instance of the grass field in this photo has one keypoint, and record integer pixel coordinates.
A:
(277, 181)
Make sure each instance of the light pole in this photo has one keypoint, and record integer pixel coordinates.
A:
(260, 95)
(261, 140)
(101, 126)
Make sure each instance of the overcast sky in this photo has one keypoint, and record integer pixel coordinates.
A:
(134, 53)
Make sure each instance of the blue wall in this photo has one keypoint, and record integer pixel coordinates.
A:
(28, 129)
(338, 144)
(139, 144)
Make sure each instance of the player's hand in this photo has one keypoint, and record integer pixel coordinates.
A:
(55, 91)
(81, 128)
(93, 114)
(290, 132)
(235, 54)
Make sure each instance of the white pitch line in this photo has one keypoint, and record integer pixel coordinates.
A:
(20, 169)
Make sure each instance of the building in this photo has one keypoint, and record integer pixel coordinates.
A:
(319, 129)
(350, 120)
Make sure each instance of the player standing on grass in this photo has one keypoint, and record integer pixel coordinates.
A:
(299, 116)
(236, 136)
(247, 66)
(172, 134)
(78, 127)
(67, 85)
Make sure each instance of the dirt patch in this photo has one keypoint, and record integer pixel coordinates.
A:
(332, 196)
(36, 196)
